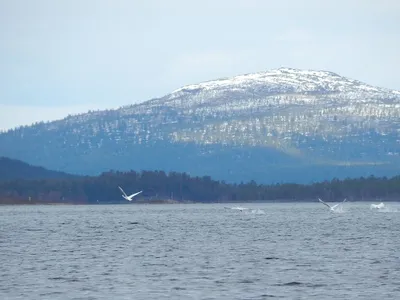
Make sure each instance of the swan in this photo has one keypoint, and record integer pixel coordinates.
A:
(331, 207)
(377, 206)
(237, 208)
(126, 197)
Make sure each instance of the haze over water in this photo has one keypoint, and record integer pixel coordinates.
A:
(292, 251)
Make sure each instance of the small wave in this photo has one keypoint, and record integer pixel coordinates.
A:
(67, 279)
(99, 228)
(258, 211)
(247, 281)
(297, 283)
(388, 210)
(34, 229)
(254, 211)
(316, 285)
(376, 262)
(303, 265)
(105, 273)
(291, 283)
(51, 293)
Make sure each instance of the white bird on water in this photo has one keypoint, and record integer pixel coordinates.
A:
(377, 206)
(126, 197)
(331, 207)
(237, 208)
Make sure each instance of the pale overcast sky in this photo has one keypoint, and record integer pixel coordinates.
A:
(67, 56)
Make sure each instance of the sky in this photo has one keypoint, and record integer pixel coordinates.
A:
(69, 56)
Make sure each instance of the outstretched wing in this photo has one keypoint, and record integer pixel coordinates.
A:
(133, 195)
(123, 193)
(336, 205)
(324, 203)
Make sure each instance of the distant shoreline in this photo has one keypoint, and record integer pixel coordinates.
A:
(24, 202)
(155, 202)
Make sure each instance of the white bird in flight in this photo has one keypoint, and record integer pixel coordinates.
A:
(126, 197)
(331, 207)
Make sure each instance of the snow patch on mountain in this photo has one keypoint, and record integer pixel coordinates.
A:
(285, 80)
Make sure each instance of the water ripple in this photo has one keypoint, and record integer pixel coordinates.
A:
(197, 252)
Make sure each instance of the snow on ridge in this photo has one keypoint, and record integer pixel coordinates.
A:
(300, 80)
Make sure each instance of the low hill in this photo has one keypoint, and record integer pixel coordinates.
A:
(11, 169)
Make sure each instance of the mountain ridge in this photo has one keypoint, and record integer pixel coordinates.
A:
(254, 126)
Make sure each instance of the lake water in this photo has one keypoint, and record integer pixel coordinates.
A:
(199, 251)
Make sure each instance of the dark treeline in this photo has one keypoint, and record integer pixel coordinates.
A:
(160, 186)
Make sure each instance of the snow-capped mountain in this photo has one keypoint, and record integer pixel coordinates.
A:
(278, 125)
